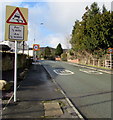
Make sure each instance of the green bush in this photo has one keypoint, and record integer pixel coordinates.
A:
(64, 57)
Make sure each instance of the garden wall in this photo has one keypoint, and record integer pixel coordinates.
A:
(7, 61)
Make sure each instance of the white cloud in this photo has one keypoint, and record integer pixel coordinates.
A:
(55, 39)
(55, 1)
(62, 15)
(58, 18)
(76, 1)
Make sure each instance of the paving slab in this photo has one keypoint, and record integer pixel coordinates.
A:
(52, 109)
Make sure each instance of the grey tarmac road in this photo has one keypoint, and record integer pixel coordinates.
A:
(89, 90)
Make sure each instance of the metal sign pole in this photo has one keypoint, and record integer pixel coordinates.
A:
(28, 52)
(15, 72)
(35, 57)
(16, 29)
(111, 60)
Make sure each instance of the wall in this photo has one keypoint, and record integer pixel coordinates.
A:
(7, 61)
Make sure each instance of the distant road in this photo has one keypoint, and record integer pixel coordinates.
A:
(89, 90)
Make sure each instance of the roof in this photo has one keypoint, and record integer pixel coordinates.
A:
(4, 47)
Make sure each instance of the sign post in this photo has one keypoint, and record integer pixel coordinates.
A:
(16, 29)
(36, 47)
(15, 72)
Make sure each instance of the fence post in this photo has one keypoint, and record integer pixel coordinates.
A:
(93, 62)
(98, 63)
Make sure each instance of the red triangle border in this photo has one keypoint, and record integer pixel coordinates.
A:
(8, 20)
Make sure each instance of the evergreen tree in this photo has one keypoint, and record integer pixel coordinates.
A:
(95, 30)
(104, 9)
(47, 51)
(94, 9)
(59, 50)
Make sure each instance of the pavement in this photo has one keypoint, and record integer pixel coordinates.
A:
(38, 97)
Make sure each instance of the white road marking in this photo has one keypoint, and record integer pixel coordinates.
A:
(90, 71)
(63, 72)
(70, 103)
(35, 63)
(105, 71)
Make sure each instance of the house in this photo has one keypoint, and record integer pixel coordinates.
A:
(11, 45)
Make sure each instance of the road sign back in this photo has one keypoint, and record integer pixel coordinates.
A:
(17, 17)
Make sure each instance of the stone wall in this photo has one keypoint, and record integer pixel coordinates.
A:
(7, 61)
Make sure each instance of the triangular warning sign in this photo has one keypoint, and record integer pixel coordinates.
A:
(17, 17)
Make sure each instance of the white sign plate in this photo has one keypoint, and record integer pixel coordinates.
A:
(16, 32)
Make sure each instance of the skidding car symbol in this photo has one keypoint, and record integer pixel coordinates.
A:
(17, 18)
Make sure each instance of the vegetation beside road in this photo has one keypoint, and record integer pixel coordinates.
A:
(50, 53)
(93, 34)
(90, 39)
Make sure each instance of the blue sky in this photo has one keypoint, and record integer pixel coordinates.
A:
(57, 17)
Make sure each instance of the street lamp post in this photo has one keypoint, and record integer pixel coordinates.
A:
(34, 52)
